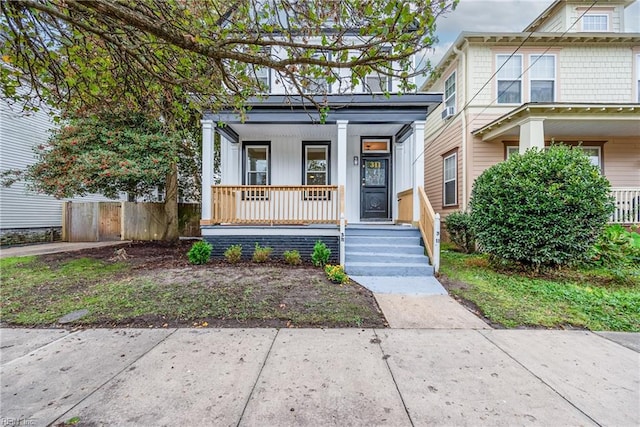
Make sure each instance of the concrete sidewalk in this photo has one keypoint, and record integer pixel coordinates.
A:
(361, 377)
(52, 248)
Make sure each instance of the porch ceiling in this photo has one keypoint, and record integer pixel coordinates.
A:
(565, 121)
(311, 131)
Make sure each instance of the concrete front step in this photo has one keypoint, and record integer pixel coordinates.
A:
(380, 231)
(388, 269)
(384, 249)
(376, 240)
(366, 256)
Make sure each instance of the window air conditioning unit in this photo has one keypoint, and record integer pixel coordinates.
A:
(448, 112)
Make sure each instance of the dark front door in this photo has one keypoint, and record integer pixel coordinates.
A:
(374, 190)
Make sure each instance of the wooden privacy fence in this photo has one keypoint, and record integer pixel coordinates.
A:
(276, 204)
(104, 221)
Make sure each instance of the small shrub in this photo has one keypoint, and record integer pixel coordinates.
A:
(233, 254)
(615, 247)
(321, 254)
(292, 257)
(200, 252)
(460, 230)
(336, 274)
(540, 209)
(261, 253)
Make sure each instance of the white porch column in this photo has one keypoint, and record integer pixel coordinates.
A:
(531, 134)
(418, 166)
(342, 179)
(207, 167)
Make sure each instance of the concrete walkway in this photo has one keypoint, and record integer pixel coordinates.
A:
(52, 248)
(305, 377)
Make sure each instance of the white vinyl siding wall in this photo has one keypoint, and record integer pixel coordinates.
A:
(20, 207)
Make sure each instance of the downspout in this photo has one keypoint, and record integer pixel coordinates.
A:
(463, 148)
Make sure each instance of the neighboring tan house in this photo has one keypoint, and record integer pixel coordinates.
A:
(288, 180)
(571, 76)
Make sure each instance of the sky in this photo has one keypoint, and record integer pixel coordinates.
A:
(501, 16)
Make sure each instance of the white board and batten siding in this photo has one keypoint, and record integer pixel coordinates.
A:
(21, 208)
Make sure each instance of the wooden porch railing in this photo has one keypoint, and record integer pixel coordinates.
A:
(276, 204)
(627, 206)
(429, 226)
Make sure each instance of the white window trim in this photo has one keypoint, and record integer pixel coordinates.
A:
(594, 15)
(555, 73)
(593, 147)
(520, 79)
(453, 94)
(511, 150)
(515, 149)
(454, 180)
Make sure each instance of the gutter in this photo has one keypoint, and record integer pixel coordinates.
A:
(460, 52)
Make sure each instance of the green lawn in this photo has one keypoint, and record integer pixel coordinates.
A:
(592, 299)
(38, 293)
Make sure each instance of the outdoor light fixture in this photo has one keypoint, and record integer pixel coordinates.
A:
(355, 160)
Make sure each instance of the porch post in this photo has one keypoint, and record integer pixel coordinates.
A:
(418, 166)
(207, 168)
(531, 134)
(342, 179)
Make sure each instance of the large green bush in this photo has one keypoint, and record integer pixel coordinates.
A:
(540, 209)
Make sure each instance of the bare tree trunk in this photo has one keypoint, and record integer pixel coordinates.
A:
(171, 232)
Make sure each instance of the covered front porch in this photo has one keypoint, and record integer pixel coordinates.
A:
(609, 134)
(283, 166)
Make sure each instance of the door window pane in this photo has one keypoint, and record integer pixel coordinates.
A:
(375, 173)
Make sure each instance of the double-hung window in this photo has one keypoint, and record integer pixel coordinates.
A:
(263, 74)
(450, 91)
(257, 168)
(450, 181)
(593, 153)
(595, 22)
(316, 167)
(509, 79)
(542, 77)
(377, 81)
(318, 83)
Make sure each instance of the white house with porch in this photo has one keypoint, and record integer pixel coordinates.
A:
(289, 178)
